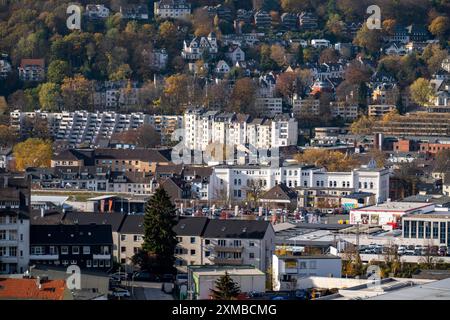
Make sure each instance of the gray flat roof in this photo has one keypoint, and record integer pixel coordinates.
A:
(436, 290)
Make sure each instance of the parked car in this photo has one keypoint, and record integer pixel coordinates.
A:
(119, 276)
(409, 252)
(146, 276)
(121, 292)
(442, 251)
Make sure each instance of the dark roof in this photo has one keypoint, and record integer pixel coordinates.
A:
(49, 218)
(71, 234)
(113, 219)
(190, 226)
(244, 229)
(151, 155)
(75, 155)
(133, 224)
(280, 192)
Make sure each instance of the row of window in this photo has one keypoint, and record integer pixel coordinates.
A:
(53, 250)
(427, 230)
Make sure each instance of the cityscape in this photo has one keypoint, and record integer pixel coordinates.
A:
(245, 150)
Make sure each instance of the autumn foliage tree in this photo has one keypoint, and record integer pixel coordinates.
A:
(33, 152)
(363, 125)
(243, 96)
(331, 160)
(421, 91)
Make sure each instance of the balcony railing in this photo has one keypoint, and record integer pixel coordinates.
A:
(228, 248)
(227, 261)
(44, 257)
(101, 256)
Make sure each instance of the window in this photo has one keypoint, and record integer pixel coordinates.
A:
(192, 252)
(420, 230)
(207, 253)
(237, 243)
(123, 237)
(442, 232)
(180, 239)
(137, 238)
(123, 249)
(65, 262)
(73, 261)
(88, 263)
(76, 250)
(86, 250)
(251, 255)
(53, 250)
(302, 265)
(101, 263)
(64, 250)
(2, 234)
(406, 229)
(435, 230)
(413, 229)
(251, 244)
(221, 243)
(13, 251)
(107, 263)
(136, 250)
(428, 230)
(207, 241)
(95, 264)
(192, 239)
(313, 264)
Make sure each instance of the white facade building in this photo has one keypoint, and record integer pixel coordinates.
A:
(83, 126)
(175, 9)
(234, 180)
(203, 128)
(289, 269)
(269, 107)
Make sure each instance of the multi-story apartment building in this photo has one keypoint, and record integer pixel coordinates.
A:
(175, 9)
(263, 20)
(87, 246)
(344, 110)
(203, 128)
(431, 124)
(269, 107)
(224, 242)
(131, 238)
(32, 70)
(234, 181)
(14, 223)
(134, 11)
(289, 21)
(302, 107)
(308, 21)
(379, 110)
(80, 127)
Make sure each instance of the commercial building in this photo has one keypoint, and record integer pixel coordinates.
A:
(201, 279)
(388, 213)
(288, 268)
(427, 229)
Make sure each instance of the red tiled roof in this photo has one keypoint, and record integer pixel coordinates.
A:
(28, 289)
(25, 62)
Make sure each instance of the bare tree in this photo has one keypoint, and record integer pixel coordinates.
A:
(254, 191)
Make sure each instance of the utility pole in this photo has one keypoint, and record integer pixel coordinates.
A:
(357, 236)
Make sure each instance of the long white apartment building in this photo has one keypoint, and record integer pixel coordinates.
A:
(203, 128)
(234, 180)
(87, 127)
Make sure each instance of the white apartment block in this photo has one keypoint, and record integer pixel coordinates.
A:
(175, 9)
(87, 127)
(233, 181)
(14, 241)
(194, 49)
(203, 128)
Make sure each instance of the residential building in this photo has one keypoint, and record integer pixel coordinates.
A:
(430, 124)
(308, 21)
(235, 54)
(97, 11)
(134, 12)
(289, 21)
(195, 48)
(305, 107)
(238, 242)
(32, 70)
(203, 128)
(158, 59)
(222, 68)
(344, 110)
(130, 238)
(14, 223)
(289, 268)
(189, 250)
(175, 9)
(320, 43)
(6, 158)
(263, 20)
(87, 246)
(269, 107)
(280, 196)
(379, 110)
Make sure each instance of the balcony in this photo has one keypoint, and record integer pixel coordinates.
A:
(46, 257)
(101, 256)
(227, 261)
(9, 259)
(228, 248)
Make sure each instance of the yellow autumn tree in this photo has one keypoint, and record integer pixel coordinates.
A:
(363, 125)
(331, 160)
(33, 152)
